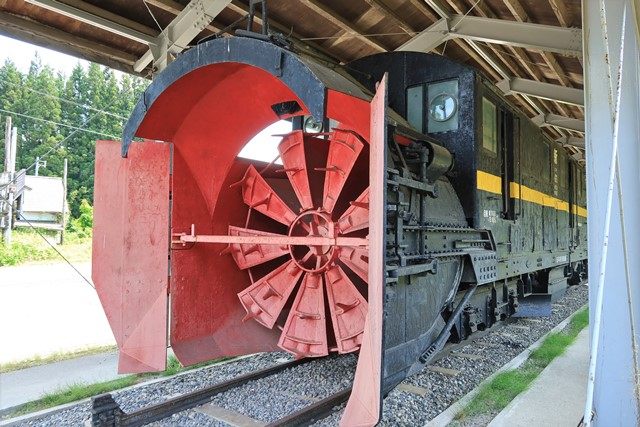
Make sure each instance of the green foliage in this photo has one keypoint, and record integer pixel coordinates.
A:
(55, 357)
(20, 252)
(502, 390)
(28, 246)
(92, 98)
(76, 392)
(497, 394)
(83, 224)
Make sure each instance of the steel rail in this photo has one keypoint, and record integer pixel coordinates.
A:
(105, 412)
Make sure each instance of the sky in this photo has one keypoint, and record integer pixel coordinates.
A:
(262, 147)
(22, 53)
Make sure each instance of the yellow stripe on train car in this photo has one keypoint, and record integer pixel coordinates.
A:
(493, 184)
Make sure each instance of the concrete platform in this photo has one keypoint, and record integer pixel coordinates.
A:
(26, 385)
(49, 308)
(556, 398)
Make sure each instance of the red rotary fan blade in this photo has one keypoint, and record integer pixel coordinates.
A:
(250, 255)
(259, 195)
(344, 149)
(305, 332)
(312, 269)
(294, 163)
(265, 299)
(357, 216)
(357, 259)
(348, 310)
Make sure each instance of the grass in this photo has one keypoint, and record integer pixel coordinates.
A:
(496, 395)
(75, 392)
(28, 247)
(55, 357)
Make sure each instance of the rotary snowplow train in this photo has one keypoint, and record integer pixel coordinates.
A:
(420, 208)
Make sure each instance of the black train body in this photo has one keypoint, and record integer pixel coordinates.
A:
(519, 189)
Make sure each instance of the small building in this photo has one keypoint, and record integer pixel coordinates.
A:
(42, 203)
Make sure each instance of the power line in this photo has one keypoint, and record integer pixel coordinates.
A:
(33, 165)
(49, 151)
(56, 249)
(58, 124)
(97, 110)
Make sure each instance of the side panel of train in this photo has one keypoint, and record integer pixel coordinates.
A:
(510, 179)
(530, 193)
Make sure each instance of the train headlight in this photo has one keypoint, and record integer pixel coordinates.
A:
(311, 125)
(443, 107)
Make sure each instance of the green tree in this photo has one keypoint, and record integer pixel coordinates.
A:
(11, 80)
(42, 102)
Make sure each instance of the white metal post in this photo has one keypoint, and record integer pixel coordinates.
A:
(10, 145)
(612, 101)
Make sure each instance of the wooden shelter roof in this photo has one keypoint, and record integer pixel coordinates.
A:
(341, 30)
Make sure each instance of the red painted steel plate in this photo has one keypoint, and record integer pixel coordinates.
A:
(130, 249)
(365, 404)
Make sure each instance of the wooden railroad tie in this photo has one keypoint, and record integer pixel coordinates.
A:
(228, 416)
(413, 389)
(444, 371)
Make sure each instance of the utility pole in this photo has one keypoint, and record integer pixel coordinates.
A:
(10, 146)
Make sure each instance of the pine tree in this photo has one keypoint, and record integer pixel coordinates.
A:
(10, 94)
(42, 102)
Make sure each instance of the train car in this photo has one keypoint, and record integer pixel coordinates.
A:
(411, 204)
(510, 178)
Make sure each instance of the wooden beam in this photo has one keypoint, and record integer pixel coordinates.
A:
(61, 41)
(561, 12)
(174, 8)
(342, 23)
(98, 11)
(370, 18)
(386, 11)
(242, 9)
(523, 56)
(422, 8)
(516, 10)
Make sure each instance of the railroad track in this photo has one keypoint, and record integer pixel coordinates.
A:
(106, 412)
(310, 391)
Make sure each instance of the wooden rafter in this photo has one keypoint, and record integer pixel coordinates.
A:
(368, 18)
(337, 20)
(385, 10)
(242, 9)
(422, 8)
(516, 9)
(525, 60)
(561, 12)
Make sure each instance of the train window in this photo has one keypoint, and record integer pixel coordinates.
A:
(415, 103)
(443, 106)
(546, 162)
(489, 126)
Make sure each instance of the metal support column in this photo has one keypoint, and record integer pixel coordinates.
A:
(10, 147)
(612, 80)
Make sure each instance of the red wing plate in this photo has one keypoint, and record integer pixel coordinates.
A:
(130, 249)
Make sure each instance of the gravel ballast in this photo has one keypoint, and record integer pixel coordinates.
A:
(271, 398)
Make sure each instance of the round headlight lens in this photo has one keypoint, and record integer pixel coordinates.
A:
(443, 107)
